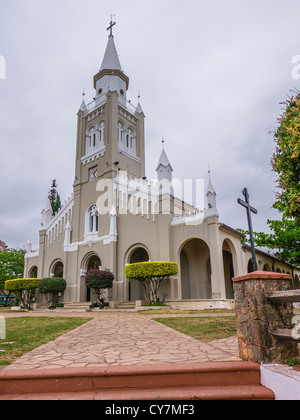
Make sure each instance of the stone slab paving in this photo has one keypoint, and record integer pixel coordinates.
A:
(123, 338)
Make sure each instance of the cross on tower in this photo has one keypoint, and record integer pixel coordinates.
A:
(250, 209)
(112, 24)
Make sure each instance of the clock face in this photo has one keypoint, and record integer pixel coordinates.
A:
(93, 173)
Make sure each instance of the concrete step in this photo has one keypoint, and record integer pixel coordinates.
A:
(233, 393)
(202, 381)
(75, 307)
(127, 305)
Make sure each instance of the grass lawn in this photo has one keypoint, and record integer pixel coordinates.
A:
(205, 328)
(177, 311)
(26, 334)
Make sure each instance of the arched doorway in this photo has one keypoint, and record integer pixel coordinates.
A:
(33, 272)
(267, 268)
(250, 266)
(297, 282)
(229, 266)
(135, 289)
(195, 270)
(139, 255)
(57, 270)
(93, 263)
(228, 273)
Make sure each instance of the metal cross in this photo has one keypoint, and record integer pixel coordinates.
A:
(112, 24)
(250, 209)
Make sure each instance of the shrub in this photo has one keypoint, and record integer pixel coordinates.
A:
(150, 275)
(21, 284)
(99, 280)
(51, 287)
(24, 289)
(96, 279)
(145, 270)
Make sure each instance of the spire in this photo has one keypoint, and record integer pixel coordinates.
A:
(111, 59)
(211, 199)
(68, 230)
(29, 244)
(164, 168)
(83, 104)
(111, 76)
(210, 188)
(46, 215)
(139, 109)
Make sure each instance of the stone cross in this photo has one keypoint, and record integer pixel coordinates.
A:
(250, 209)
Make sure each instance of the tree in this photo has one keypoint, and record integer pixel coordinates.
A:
(11, 266)
(25, 289)
(150, 275)
(286, 159)
(284, 240)
(54, 198)
(12, 263)
(98, 281)
(51, 288)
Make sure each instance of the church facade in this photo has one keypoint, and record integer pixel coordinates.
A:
(115, 216)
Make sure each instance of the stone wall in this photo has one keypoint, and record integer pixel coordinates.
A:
(257, 317)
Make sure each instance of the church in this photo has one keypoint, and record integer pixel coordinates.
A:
(116, 216)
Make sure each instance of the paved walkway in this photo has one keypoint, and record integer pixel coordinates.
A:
(124, 338)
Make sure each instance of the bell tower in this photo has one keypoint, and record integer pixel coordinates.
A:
(110, 131)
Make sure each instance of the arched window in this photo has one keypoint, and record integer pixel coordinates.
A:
(131, 142)
(92, 220)
(94, 138)
(90, 139)
(121, 135)
(100, 135)
(127, 139)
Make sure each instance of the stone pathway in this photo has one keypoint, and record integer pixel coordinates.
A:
(124, 338)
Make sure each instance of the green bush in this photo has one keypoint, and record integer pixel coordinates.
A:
(51, 288)
(150, 275)
(21, 284)
(99, 280)
(145, 270)
(52, 285)
(24, 289)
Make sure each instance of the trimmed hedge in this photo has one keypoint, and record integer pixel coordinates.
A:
(52, 285)
(150, 275)
(21, 284)
(24, 289)
(146, 270)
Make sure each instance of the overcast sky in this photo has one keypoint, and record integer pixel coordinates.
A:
(211, 73)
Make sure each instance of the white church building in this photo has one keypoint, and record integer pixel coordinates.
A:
(115, 216)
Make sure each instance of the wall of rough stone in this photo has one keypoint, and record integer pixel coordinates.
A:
(257, 317)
